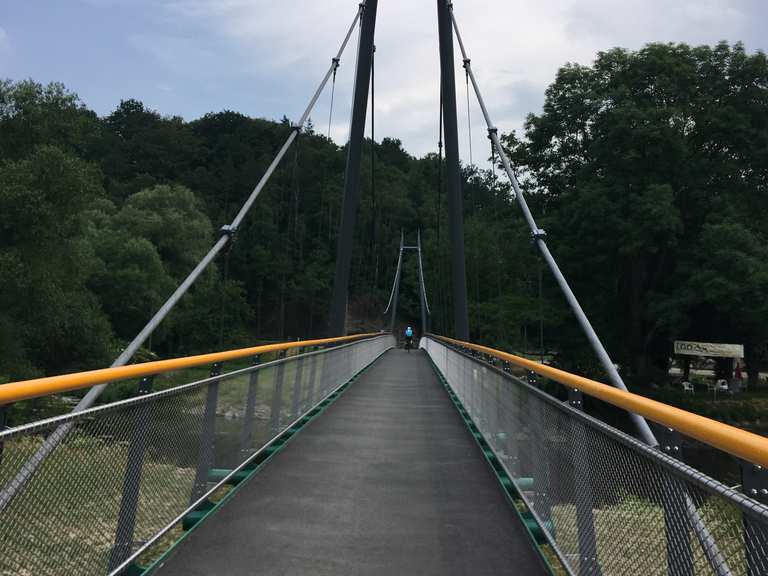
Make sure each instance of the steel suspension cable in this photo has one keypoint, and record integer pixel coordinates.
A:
(539, 238)
(394, 283)
(708, 544)
(227, 234)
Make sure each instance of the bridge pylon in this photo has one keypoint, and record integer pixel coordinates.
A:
(337, 319)
(395, 294)
(338, 315)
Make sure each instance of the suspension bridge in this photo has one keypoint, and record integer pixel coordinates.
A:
(349, 455)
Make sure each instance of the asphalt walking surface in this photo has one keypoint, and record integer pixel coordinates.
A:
(387, 481)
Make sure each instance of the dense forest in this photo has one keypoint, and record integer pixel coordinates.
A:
(648, 169)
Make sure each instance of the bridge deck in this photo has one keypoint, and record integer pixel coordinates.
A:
(387, 481)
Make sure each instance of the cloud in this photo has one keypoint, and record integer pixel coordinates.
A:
(5, 46)
(179, 54)
(516, 48)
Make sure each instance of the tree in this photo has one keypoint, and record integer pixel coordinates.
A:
(171, 217)
(32, 114)
(633, 158)
(51, 320)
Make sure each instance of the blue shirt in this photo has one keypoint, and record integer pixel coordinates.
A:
(409, 333)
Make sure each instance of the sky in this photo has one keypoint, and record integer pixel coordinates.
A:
(264, 58)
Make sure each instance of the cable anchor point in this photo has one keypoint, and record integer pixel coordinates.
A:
(539, 234)
(492, 131)
(227, 230)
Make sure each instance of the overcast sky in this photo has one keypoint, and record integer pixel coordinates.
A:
(264, 57)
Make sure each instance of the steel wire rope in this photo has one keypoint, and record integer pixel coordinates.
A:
(372, 242)
(333, 92)
(706, 540)
(223, 290)
(469, 119)
(226, 236)
(538, 236)
(438, 208)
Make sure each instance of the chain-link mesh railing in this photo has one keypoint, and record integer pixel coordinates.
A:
(127, 471)
(608, 504)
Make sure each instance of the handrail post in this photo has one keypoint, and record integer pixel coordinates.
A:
(207, 449)
(277, 395)
(3, 420)
(129, 502)
(250, 407)
(677, 523)
(296, 401)
(541, 469)
(754, 482)
(313, 361)
(589, 563)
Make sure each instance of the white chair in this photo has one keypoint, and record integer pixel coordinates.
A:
(688, 387)
(722, 385)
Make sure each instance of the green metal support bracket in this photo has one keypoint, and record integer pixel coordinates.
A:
(511, 488)
(208, 508)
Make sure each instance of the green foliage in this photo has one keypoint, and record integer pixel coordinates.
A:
(651, 166)
(50, 321)
(32, 114)
(648, 169)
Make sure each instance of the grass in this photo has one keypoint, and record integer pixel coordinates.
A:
(79, 489)
(630, 536)
(68, 511)
(166, 542)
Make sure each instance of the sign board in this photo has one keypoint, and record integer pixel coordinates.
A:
(709, 349)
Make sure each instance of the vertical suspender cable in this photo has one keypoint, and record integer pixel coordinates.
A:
(469, 119)
(541, 315)
(439, 165)
(373, 161)
(441, 288)
(223, 307)
(493, 157)
(333, 92)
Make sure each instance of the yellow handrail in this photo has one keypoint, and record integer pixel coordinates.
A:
(735, 441)
(26, 389)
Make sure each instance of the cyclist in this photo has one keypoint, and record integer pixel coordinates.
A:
(408, 338)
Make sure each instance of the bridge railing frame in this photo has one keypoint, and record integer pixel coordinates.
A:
(690, 539)
(128, 472)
